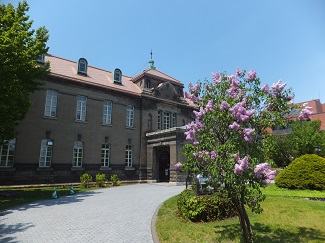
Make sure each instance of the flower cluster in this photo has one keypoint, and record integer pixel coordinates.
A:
(305, 113)
(194, 88)
(205, 155)
(216, 77)
(178, 166)
(251, 75)
(240, 113)
(192, 128)
(263, 171)
(234, 89)
(241, 165)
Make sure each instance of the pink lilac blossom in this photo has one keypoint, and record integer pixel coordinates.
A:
(199, 114)
(178, 166)
(224, 105)
(234, 89)
(305, 113)
(240, 113)
(196, 143)
(265, 88)
(241, 165)
(194, 88)
(278, 86)
(263, 171)
(192, 97)
(216, 77)
(248, 134)
(209, 106)
(235, 126)
(239, 72)
(213, 155)
(251, 75)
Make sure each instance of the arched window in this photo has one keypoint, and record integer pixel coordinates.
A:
(117, 76)
(82, 66)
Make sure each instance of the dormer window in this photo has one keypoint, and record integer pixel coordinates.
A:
(82, 66)
(41, 59)
(147, 83)
(117, 76)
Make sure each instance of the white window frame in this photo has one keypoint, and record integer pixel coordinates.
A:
(107, 112)
(46, 152)
(128, 155)
(51, 103)
(166, 120)
(81, 108)
(78, 150)
(130, 116)
(7, 152)
(105, 154)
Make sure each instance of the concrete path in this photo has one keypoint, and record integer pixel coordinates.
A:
(118, 214)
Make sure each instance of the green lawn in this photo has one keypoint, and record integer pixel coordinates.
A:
(288, 216)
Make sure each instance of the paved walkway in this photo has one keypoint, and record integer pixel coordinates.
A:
(118, 214)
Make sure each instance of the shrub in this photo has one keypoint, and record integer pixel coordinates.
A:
(100, 179)
(115, 180)
(205, 208)
(305, 172)
(85, 179)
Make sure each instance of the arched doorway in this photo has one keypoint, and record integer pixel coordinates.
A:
(163, 161)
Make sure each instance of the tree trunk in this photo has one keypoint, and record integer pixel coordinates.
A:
(248, 223)
(242, 220)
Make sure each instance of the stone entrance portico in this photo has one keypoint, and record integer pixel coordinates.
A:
(160, 144)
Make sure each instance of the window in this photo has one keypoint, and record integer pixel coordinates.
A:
(159, 119)
(105, 155)
(128, 156)
(41, 59)
(82, 66)
(45, 156)
(174, 121)
(147, 83)
(117, 76)
(81, 108)
(107, 113)
(7, 151)
(166, 120)
(130, 116)
(77, 154)
(51, 103)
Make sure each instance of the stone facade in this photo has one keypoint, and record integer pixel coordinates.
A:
(142, 140)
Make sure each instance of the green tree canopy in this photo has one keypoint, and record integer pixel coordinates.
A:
(304, 137)
(20, 47)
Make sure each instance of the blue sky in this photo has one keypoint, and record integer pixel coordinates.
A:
(191, 39)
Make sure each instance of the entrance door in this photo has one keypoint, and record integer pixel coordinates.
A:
(164, 167)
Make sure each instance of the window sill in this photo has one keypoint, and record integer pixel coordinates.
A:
(77, 168)
(131, 128)
(129, 168)
(107, 125)
(50, 117)
(44, 169)
(79, 121)
(4, 168)
(105, 168)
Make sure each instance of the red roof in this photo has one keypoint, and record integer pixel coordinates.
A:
(67, 69)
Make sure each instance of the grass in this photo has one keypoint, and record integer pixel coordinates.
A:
(288, 216)
(10, 197)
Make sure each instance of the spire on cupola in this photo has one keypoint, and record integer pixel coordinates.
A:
(151, 62)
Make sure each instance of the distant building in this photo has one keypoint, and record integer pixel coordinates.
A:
(89, 120)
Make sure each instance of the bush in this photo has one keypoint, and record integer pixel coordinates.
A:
(205, 208)
(100, 179)
(115, 180)
(85, 179)
(305, 172)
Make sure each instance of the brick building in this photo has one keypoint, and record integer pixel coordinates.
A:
(89, 120)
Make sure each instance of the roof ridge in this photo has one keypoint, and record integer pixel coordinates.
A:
(164, 74)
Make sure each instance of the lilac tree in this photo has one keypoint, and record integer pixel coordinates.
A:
(226, 138)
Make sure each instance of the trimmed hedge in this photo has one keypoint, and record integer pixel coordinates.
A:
(305, 172)
(205, 208)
